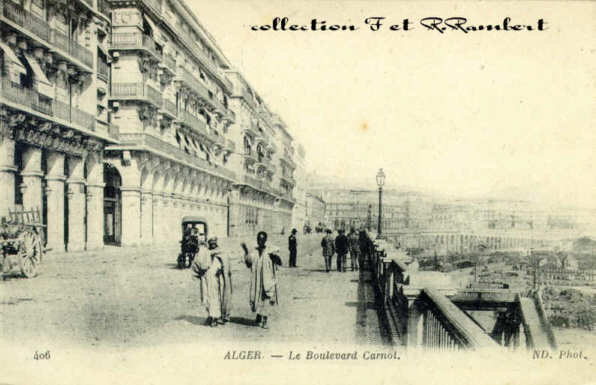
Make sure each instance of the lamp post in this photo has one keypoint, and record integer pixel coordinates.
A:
(380, 183)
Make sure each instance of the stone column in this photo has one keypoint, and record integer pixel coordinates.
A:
(146, 217)
(76, 204)
(55, 201)
(95, 215)
(7, 175)
(131, 212)
(32, 174)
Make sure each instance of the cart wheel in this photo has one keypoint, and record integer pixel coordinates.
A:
(31, 254)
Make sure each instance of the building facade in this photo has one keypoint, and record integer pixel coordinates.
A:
(119, 118)
(55, 123)
(258, 200)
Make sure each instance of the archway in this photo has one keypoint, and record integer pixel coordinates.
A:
(112, 206)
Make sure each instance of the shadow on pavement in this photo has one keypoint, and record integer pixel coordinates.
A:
(242, 321)
(192, 319)
(317, 270)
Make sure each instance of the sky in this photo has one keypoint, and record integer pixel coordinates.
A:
(508, 114)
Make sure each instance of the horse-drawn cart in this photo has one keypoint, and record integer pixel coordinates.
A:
(21, 242)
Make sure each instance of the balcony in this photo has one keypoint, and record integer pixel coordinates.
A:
(192, 122)
(248, 98)
(207, 62)
(52, 38)
(168, 107)
(194, 84)
(288, 161)
(136, 91)
(134, 41)
(288, 179)
(113, 130)
(103, 69)
(166, 150)
(169, 63)
(31, 99)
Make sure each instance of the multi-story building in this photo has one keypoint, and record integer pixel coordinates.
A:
(170, 96)
(54, 124)
(256, 202)
(299, 211)
(121, 117)
(315, 210)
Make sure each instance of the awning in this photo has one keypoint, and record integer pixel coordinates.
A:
(44, 86)
(12, 61)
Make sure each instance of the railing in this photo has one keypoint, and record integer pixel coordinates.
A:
(446, 327)
(113, 130)
(193, 122)
(136, 90)
(207, 62)
(42, 30)
(32, 99)
(169, 62)
(170, 107)
(134, 40)
(173, 151)
(422, 318)
(103, 69)
(194, 84)
(83, 119)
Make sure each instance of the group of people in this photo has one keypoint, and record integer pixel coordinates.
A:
(213, 269)
(357, 243)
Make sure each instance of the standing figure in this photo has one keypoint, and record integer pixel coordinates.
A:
(364, 241)
(209, 267)
(263, 293)
(341, 248)
(293, 246)
(354, 244)
(328, 245)
(225, 278)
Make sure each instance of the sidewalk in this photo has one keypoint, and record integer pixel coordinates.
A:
(136, 297)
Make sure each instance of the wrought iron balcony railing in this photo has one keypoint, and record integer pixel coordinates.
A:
(191, 121)
(136, 91)
(31, 99)
(103, 69)
(170, 107)
(134, 41)
(42, 30)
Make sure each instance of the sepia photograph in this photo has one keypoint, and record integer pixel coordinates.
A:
(297, 192)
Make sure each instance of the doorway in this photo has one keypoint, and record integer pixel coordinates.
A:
(112, 206)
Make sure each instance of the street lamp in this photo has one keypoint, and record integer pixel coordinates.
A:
(380, 183)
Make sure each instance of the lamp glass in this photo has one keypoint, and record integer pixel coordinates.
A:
(380, 178)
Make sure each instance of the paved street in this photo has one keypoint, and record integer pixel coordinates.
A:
(136, 297)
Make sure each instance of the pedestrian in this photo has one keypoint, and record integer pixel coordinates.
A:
(328, 245)
(364, 242)
(208, 267)
(263, 295)
(225, 278)
(341, 248)
(293, 246)
(354, 245)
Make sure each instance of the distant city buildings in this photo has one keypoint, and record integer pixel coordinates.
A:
(441, 226)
